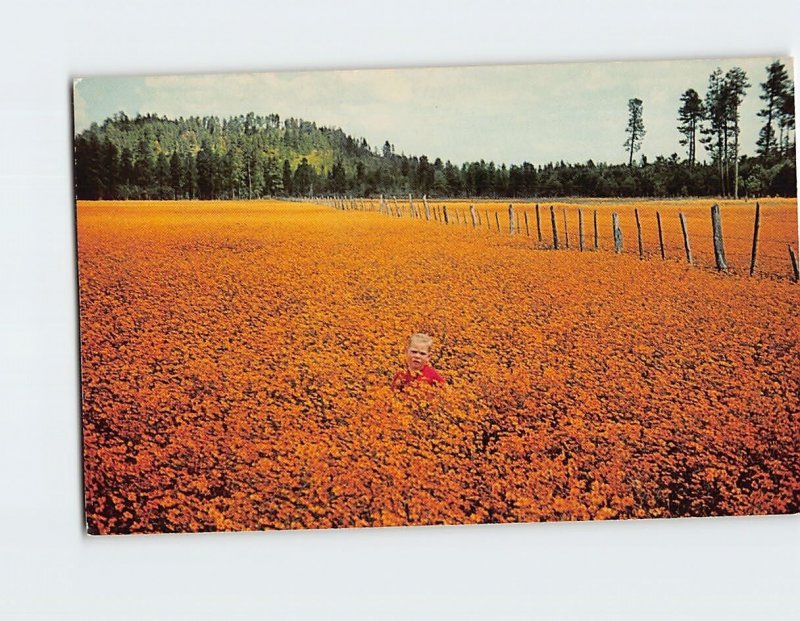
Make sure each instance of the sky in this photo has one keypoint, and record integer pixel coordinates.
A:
(505, 113)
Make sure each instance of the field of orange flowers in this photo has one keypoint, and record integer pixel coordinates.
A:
(236, 361)
(778, 227)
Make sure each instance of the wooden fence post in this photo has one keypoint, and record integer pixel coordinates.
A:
(580, 229)
(639, 233)
(660, 236)
(538, 223)
(685, 238)
(497, 220)
(719, 248)
(566, 230)
(596, 245)
(444, 211)
(793, 259)
(555, 228)
(396, 206)
(472, 214)
(427, 209)
(617, 233)
(755, 239)
(510, 219)
(527, 230)
(411, 209)
(519, 230)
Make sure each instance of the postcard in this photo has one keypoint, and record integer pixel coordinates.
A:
(438, 296)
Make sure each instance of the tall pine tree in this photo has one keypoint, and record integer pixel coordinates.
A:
(635, 129)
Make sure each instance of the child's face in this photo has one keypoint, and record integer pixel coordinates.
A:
(417, 356)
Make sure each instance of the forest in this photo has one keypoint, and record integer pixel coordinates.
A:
(254, 156)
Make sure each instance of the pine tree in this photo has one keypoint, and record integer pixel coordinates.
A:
(635, 129)
(774, 92)
(735, 86)
(715, 132)
(176, 174)
(690, 114)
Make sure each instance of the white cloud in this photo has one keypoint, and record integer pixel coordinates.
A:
(504, 113)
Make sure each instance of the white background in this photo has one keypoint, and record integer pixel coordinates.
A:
(723, 568)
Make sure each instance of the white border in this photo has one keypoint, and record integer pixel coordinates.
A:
(726, 568)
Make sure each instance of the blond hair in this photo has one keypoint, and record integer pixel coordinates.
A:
(422, 339)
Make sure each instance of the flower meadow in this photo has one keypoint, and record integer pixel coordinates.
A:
(236, 360)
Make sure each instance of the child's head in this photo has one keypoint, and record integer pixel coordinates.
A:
(418, 351)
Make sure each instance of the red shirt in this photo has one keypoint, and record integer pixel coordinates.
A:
(428, 375)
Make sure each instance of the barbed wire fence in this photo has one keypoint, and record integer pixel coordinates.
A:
(631, 229)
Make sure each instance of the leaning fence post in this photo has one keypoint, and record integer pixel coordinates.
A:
(660, 236)
(793, 259)
(427, 209)
(719, 248)
(639, 233)
(446, 217)
(555, 228)
(617, 232)
(580, 228)
(596, 246)
(497, 220)
(538, 223)
(527, 230)
(685, 238)
(510, 219)
(396, 206)
(566, 230)
(472, 214)
(755, 239)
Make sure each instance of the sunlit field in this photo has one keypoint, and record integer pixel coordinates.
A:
(778, 227)
(236, 360)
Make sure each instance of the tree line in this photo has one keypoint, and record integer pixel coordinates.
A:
(254, 156)
(714, 122)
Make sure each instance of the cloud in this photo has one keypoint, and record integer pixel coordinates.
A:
(505, 113)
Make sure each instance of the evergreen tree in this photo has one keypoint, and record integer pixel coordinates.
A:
(287, 177)
(735, 86)
(774, 93)
(715, 133)
(303, 181)
(206, 172)
(786, 123)
(176, 174)
(111, 164)
(635, 129)
(690, 115)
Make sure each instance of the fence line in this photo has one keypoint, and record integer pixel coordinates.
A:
(759, 248)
